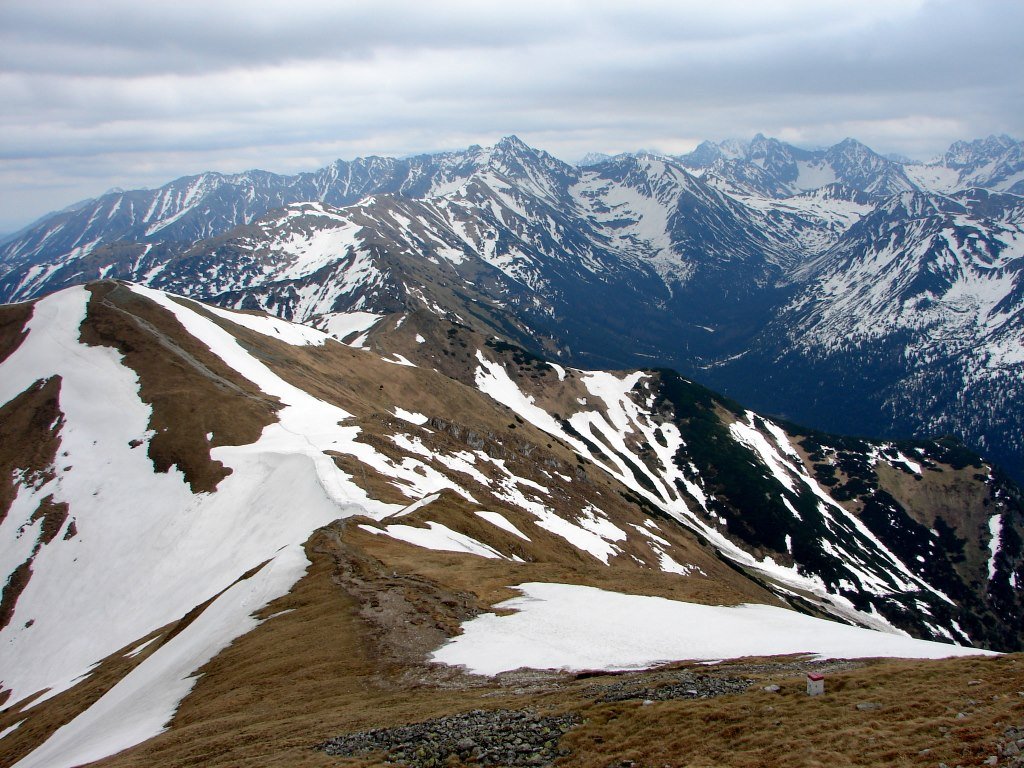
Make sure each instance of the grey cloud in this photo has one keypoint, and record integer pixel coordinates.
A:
(120, 38)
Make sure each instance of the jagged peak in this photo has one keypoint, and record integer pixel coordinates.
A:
(850, 147)
(512, 147)
(592, 158)
(963, 153)
(512, 142)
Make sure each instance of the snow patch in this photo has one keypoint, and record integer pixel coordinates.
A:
(499, 520)
(11, 729)
(995, 533)
(290, 333)
(593, 534)
(567, 626)
(438, 537)
(411, 416)
(343, 325)
(493, 380)
(141, 704)
(400, 360)
(140, 648)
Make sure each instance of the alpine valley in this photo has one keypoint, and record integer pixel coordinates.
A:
(407, 461)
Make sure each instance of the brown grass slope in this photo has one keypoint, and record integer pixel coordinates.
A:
(332, 660)
(955, 494)
(347, 648)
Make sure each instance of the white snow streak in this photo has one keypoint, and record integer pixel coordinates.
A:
(142, 703)
(499, 520)
(290, 333)
(995, 534)
(437, 537)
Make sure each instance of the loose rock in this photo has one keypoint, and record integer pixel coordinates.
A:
(487, 737)
(686, 686)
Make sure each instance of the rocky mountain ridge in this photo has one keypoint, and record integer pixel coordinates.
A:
(713, 263)
(171, 470)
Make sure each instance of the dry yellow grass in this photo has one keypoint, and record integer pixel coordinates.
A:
(193, 393)
(915, 724)
(349, 651)
(349, 655)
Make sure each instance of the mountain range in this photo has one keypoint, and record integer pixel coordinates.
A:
(283, 457)
(834, 287)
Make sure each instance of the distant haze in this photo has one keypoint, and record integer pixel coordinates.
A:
(130, 94)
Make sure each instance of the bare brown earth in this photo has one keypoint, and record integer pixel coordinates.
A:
(12, 327)
(192, 392)
(29, 429)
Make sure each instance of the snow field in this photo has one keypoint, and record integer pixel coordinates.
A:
(143, 702)
(147, 549)
(437, 537)
(343, 325)
(572, 627)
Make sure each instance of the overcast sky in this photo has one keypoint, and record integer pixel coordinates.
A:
(132, 94)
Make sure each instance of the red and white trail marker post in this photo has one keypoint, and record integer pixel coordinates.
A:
(815, 684)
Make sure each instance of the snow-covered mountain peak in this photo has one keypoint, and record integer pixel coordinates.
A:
(962, 154)
(733, 149)
(695, 250)
(850, 146)
(512, 144)
(707, 153)
(592, 158)
(995, 163)
(775, 169)
(704, 155)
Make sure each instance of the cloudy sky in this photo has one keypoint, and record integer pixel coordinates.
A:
(131, 94)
